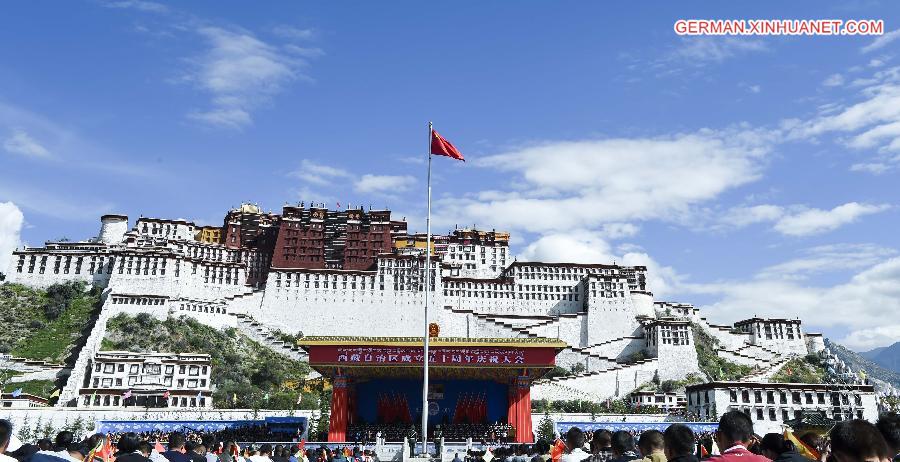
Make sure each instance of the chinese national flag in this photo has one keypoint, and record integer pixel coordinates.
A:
(442, 147)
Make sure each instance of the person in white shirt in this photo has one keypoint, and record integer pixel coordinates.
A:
(5, 437)
(575, 444)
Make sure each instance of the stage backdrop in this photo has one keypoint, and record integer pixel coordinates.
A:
(469, 397)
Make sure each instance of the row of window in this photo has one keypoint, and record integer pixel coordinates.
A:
(151, 368)
(133, 380)
(107, 400)
(64, 266)
(797, 397)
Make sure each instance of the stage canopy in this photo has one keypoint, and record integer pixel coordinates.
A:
(491, 375)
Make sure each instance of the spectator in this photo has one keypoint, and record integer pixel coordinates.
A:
(775, 447)
(601, 446)
(176, 448)
(858, 441)
(129, 449)
(679, 443)
(229, 452)
(5, 437)
(212, 448)
(145, 448)
(623, 447)
(541, 451)
(195, 451)
(735, 433)
(652, 446)
(575, 445)
(889, 426)
(62, 441)
(44, 444)
(265, 454)
(59, 451)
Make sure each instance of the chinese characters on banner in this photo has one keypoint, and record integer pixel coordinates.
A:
(441, 356)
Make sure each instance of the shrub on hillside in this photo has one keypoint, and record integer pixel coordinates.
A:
(59, 298)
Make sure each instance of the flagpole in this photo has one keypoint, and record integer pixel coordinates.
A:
(427, 290)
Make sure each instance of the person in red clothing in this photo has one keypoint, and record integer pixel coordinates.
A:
(733, 436)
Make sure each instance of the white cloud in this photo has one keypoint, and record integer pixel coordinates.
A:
(881, 41)
(866, 304)
(867, 339)
(140, 5)
(319, 174)
(11, 220)
(815, 221)
(384, 184)
(701, 50)
(872, 123)
(293, 33)
(241, 73)
(834, 80)
(584, 184)
(827, 258)
(739, 217)
(875, 168)
(20, 142)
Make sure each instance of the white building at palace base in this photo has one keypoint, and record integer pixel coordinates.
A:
(122, 380)
(770, 405)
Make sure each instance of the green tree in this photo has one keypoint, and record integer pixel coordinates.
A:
(546, 429)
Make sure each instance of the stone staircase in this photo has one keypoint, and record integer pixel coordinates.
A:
(767, 372)
(91, 345)
(594, 361)
(598, 385)
(258, 332)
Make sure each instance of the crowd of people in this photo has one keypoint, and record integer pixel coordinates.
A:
(493, 433)
(733, 441)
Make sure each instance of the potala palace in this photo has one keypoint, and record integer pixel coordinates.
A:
(356, 272)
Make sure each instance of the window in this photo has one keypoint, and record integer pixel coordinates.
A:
(192, 383)
(772, 414)
(170, 369)
(120, 368)
(194, 371)
(118, 382)
(759, 414)
(745, 396)
(106, 383)
(108, 368)
(133, 369)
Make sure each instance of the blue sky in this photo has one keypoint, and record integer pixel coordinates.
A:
(754, 175)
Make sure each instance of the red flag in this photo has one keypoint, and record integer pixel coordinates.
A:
(106, 452)
(442, 147)
(557, 451)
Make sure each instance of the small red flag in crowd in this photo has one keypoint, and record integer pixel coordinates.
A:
(440, 146)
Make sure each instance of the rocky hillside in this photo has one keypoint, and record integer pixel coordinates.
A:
(857, 363)
(245, 374)
(45, 324)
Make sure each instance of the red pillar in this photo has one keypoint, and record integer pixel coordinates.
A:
(523, 410)
(340, 410)
(512, 409)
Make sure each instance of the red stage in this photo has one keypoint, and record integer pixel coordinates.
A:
(356, 365)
